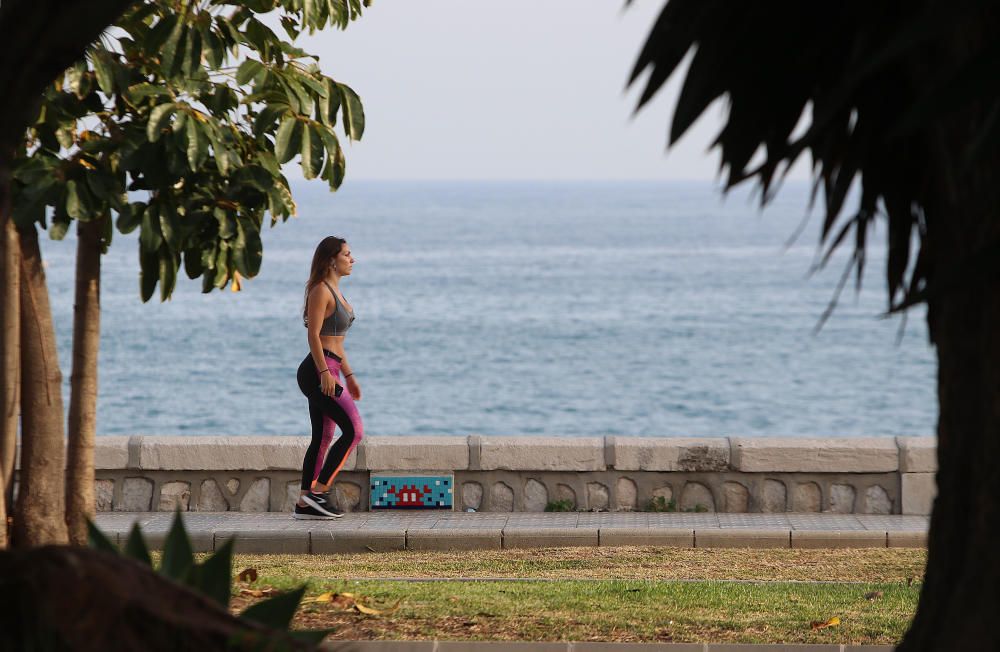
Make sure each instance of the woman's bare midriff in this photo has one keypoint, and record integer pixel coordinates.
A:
(333, 343)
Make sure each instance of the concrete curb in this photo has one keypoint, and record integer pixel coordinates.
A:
(578, 646)
(383, 532)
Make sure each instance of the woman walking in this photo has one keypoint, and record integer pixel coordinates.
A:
(327, 316)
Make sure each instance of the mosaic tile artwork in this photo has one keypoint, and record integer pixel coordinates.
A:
(411, 492)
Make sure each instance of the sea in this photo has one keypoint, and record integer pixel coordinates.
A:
(658, 309)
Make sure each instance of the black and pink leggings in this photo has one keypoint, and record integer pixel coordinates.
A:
(326, 413)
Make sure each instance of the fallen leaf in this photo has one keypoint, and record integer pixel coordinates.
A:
(367, 610)
(259, 593)
(873, 595)
(819, 624)
(247, 575)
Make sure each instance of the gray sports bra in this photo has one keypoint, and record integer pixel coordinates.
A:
(340, 320)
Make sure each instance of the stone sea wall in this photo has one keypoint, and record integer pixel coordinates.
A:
(869, 475)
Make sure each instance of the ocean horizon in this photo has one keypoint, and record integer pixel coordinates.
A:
(524, 308)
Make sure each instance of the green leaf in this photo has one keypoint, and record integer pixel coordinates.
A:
(215, 575)
(168, 276)
(193, 263)
(312, 152)
(58, 229)
(311, 636)
(103, 69)
(276, 612)
(75, 202)
(227, 223)
(130, 216)
(192, 53)
(197, 145)
(247, 71)
(288, 139)
(139, 91)
(135, 546)
(167, 220)
(331, 103)
(254, 251)
(222, 266)
(354, 113)
(268, 161)
(150, 238)
(157, 120)
(173, 50)
(98, 540)
(149, 265)
(178, 556)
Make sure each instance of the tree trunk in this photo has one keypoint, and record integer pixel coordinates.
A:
(40, 498)
(10, 356)
(83, 385)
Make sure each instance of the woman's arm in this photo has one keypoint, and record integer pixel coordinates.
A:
(315, 310)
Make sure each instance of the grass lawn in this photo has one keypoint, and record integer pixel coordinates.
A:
(604, 594)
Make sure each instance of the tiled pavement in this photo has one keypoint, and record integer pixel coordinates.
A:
(572, 646)
(273, 532)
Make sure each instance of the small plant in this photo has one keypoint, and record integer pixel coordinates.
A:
(697, 508)
(213, 579)
(661, 504)
(562, 505)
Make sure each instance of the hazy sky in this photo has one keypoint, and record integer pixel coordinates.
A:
(518, 89)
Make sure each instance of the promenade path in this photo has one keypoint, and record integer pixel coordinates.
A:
(276, 532)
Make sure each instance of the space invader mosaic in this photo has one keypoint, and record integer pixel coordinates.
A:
(411, 492)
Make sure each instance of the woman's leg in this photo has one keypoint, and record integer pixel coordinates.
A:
(308, 381)
(342, 411)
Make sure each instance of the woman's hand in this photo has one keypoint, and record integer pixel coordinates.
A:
(327, 384)
(353, 387)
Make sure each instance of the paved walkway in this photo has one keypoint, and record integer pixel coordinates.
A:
(274, 532)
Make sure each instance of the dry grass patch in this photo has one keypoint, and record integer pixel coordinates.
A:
(877, 565)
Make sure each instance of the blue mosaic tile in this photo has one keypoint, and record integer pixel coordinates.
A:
(411, 492)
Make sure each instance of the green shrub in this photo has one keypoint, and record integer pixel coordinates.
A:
(563, 505)
(213, 579)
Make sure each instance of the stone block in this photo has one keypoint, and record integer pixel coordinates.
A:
(736, 498)
(347, 495)
(225, 453)
(917, 454)
(773, 647)
(807, 497)
(838, 539)
(210, 498)
(425, 453)
(900, 539)
(542, 453)
(918, 492)
(104, 493)
(773, 497)
(174, 496)
(374, 540)
(291, 495)
(695, 496)
(454, 539)
(536, 496)
(110, 452)
(597, 496)
(257, 497)
(137, 495)
(841, 499)
(549, 537)
(501, 498)
(741, 538)
(566, 492)
(814, 455)
(876, 500)
(641, 536)
(671, 453)
(266, 542)
(626, 495)
(472, 495)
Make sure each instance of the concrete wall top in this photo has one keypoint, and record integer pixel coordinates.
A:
(815, 455)
(487, 453)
